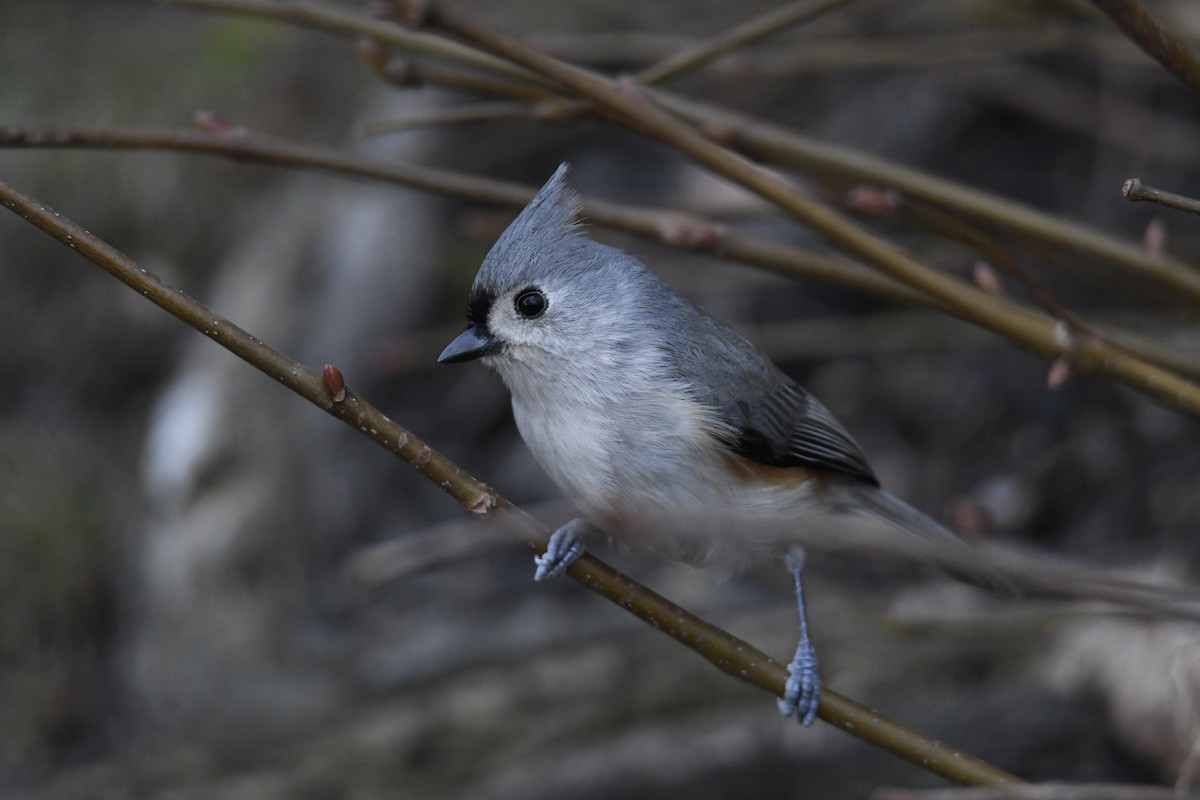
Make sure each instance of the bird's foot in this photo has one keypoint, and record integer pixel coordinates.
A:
(566, 545)
(802, 692)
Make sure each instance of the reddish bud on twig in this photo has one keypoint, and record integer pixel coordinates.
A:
(212, 122)
(684, 231)
(719, 132)
(400, 72)
(987, 279)
(628, 84)
(1060, 373)
(409, 12)
(969, 518)
(374, 53)
(872, 200)
(484, 504)
(554, 110)
(334, 382)
(385, 9)
(1155, 236)
(631, 87)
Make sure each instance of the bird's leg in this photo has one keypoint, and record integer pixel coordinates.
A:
(566, 545)
(802, 692)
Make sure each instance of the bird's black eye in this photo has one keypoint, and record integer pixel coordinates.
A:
(531, 303)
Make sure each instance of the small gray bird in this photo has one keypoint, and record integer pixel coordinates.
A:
(670, 430)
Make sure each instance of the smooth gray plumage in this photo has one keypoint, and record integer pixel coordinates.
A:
(671, 430)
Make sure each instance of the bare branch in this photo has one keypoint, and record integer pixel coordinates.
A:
(762, 140)
(1154, 39)
(752, 30)
(1134, 190)
(633, 105)
(728, 653)
(1034, 791)
(675, 229)
(329, 18)
(453, 115)
(777, 146)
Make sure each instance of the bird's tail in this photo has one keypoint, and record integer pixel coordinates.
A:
(877, 520)
(931, 541)
(882, 503)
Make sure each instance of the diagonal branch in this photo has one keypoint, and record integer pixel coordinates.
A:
(690, 58)
(1154, 39)
(759, 27)
(453, 115)
(761, 140)
(683, 230)
(780, 147)
(329, 18)
(1037, 791)
(627, 100)
(728, 653)
(676, 229)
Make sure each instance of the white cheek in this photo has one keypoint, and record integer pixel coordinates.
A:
(519, 335)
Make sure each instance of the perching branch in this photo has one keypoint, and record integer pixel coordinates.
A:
(728, 653)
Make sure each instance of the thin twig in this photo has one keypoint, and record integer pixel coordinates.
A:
(919, 51)
(780, 147)
(329, 18)
(1073, 105)
(1134, 189)
(1035, 791)
(764, 141)
(701, 53)
(681, 230)
(836, 52)
(944, 224)
(403, 73)
(454, 115)
(728, 653)
(626, 99)
(748, 32)
(1154, 39)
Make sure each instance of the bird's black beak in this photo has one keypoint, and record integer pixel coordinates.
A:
(475, 342)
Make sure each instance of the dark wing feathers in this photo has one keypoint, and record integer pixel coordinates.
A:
(771, 418)
(788, 427)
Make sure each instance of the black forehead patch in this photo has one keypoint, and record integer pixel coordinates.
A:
(478, 306)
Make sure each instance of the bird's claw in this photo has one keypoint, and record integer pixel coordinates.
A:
(802, 692)
(566, 545)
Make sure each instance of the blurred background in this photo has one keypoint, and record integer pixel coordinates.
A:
(208, 588)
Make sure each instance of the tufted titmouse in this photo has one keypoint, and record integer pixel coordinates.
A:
(671, 431)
